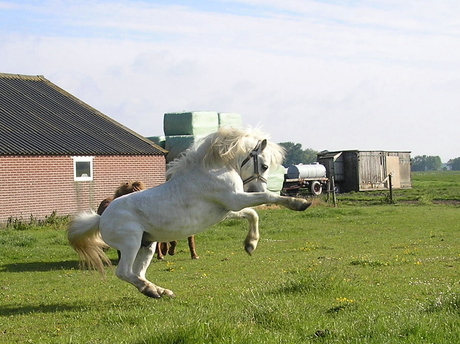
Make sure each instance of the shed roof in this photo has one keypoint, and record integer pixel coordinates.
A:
(39, 118)
(330, 154)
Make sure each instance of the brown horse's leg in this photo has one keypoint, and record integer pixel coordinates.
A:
(159, 250)
(172, 248)
(191, 245)
(164, 248)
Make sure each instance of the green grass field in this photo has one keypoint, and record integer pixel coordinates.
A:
(363, 272)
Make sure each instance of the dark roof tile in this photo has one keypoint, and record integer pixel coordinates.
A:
(39, 118)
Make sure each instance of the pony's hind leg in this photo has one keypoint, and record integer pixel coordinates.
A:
(141, 263)
(135, 258)
(143, 258)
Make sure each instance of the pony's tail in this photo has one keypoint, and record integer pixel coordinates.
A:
(84, 236)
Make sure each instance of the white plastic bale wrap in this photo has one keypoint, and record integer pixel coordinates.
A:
(275, 178)
(196, 123)
(230, 119)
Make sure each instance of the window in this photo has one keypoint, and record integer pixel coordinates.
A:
(82, 168)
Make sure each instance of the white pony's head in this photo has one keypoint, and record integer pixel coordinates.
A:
(247, 151)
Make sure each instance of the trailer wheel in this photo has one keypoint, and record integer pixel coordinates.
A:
(316, 188)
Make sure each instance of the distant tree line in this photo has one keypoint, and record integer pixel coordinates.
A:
(295, 154)
(454, 164)
(426, 163)
(433, 163)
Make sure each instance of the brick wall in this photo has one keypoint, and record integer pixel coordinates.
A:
(39, 185)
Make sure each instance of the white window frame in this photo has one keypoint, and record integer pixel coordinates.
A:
(82, 178)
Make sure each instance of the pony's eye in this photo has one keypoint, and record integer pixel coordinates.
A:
(264, 167)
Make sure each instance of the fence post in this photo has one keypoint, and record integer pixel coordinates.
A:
(390, 184)
(334, 199)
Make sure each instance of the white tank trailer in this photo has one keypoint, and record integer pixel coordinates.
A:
(310, 177)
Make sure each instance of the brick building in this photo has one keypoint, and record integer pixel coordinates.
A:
(58, 154)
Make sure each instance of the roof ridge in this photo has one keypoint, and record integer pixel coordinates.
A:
(21, 76)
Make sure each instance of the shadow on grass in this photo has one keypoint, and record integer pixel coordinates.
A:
(45, 266)
(40, 266)
(53, 308)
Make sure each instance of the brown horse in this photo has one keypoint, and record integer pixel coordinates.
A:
(162, 247)
(123, 189)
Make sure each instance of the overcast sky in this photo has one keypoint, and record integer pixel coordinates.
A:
(331, 75)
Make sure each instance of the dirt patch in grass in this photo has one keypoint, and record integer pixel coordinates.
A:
(447, 201)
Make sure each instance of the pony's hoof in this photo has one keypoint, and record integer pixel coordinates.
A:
(168, 293)
(156, 292)
(151, 292)
(299, 204)
(304, 206)
(249, 249)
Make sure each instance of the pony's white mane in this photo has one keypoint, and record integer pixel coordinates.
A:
(227, 146)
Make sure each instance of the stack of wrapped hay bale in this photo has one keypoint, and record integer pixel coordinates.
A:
(182, 129)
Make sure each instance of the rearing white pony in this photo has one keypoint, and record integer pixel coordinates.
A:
(221, 176)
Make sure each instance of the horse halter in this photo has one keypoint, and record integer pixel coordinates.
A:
(254, 155)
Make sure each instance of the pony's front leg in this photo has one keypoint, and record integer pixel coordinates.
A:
(252, 239)
(240, 200)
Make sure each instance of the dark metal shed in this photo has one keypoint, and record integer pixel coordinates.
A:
(355, 170)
